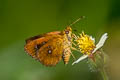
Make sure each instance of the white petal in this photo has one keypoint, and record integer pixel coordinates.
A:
(92, 38)
(80, 59)
(101, 42)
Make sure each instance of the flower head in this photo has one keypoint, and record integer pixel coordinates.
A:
(85, 43)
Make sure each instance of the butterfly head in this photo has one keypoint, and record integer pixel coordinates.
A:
(68, 30)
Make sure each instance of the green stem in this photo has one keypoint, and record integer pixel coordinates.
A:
(104, 74)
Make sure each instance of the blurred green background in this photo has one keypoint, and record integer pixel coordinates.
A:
(20, 19)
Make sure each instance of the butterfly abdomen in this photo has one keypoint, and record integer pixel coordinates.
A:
(66, 55)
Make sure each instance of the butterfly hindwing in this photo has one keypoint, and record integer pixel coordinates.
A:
(51, 53)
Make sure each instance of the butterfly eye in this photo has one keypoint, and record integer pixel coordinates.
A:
(66, 32)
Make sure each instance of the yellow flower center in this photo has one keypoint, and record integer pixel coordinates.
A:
(85, 43)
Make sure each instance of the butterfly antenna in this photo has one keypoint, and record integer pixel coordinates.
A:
(82, 17)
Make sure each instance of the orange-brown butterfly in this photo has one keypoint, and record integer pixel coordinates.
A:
(51, 47)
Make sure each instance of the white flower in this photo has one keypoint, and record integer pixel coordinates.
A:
(98, 46)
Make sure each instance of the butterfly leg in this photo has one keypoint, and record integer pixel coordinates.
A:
(74, 36)
(73, 56)
(74, 44)
(75, 49)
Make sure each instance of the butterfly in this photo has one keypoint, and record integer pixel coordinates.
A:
(50, 48)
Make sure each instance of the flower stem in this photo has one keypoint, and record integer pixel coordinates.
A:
(104, 74)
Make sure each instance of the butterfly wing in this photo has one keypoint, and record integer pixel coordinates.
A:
(42, 35)
(47, 48)
(51, 53)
